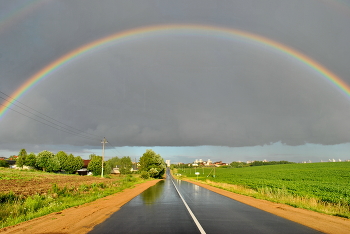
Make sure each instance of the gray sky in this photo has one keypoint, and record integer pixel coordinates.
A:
(188, 95)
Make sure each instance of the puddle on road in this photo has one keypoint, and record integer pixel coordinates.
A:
(151, 195)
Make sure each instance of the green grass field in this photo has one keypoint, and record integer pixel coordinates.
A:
(327, 183)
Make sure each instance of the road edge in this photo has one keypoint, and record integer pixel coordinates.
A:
(92, 213)
(318, 221)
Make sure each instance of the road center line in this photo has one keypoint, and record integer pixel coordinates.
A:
(190, 211)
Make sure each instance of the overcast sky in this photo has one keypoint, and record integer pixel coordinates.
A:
(185, 95)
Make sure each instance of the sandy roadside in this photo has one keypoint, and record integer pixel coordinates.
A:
(80, 219)
(83, 218)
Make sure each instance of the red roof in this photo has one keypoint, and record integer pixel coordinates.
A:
(86, 163)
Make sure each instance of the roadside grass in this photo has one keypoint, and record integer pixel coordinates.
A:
(11, 174)
(15, 209)
(282, 196)
(320, 187)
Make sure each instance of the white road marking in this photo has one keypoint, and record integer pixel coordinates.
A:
(190, 211)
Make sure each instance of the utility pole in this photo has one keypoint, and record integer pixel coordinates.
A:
(103, 153)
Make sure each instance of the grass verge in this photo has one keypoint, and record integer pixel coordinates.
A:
(15, 209)
(281, 196)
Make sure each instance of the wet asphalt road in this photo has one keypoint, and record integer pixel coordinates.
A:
(160, 209)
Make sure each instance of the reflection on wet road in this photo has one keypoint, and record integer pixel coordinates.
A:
(151, 195)
(160, 209)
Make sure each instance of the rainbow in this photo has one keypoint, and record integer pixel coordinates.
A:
(159, 30)
(18, 13)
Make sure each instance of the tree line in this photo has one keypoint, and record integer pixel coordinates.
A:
(150, 164)
(123, 164)
(258, 163)
(50, 162)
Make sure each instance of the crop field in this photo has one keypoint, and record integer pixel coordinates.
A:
(29, 194)
(328, 183)
(28, 183)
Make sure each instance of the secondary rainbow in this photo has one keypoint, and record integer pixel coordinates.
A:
(190, 29)
(18, 13)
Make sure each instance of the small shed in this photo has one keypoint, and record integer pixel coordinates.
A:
(82, 171)
(115, 171)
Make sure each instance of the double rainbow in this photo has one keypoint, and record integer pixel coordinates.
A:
(192, 29)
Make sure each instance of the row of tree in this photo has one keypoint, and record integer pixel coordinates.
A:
(124, 165)
(258, 163)
(150, 164)
(50, 162)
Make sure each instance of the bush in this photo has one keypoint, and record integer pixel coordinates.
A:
(7, 197)
(34, 203)
(4, 163)
(95, 165)
(152, 163)
(144, 175)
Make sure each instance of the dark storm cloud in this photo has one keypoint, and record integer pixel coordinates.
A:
(180, 91)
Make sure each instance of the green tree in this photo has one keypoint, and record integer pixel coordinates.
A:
(22, 155)
(73, 164)
(238, 164)
(78, 163)
(31, 160)
(144, 175)
(125, 165)
(63, 159)
(111, 163)
(153, 164)
(42, 159)
(4, 163)
(53, 164)
(95, 165)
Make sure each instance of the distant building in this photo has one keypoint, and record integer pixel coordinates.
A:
(135, 166)
(209, 162)
(12, 163)
(86, 163)
(115, 170)
(167, 162)
(13, 157)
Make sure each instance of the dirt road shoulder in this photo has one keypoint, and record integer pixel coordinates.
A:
(80, 219)
(321, 222)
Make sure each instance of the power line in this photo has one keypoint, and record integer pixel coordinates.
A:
(50, 125)
(56, 124)
(70, 128)
(114, 148)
